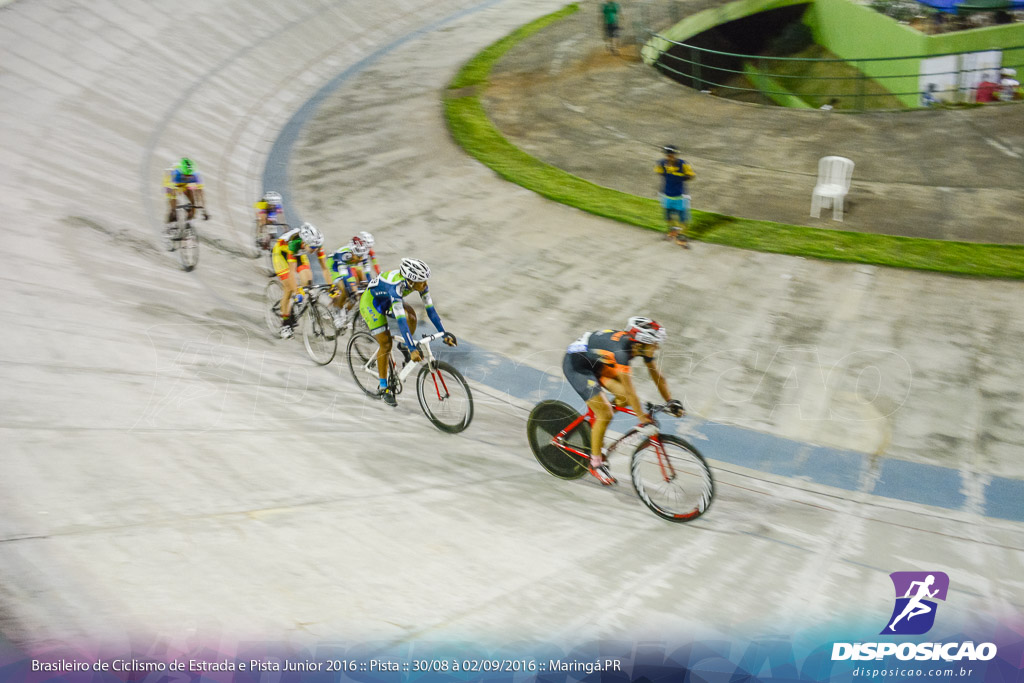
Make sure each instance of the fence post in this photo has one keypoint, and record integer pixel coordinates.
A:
(861, 88)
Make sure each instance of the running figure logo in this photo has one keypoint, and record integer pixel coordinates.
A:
(916, 592)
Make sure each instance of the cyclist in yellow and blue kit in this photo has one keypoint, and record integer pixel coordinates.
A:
(184, 178)
(383, 299)
(675, 172)
(269, 211)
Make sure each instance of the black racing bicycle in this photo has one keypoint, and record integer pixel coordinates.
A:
(183, 238)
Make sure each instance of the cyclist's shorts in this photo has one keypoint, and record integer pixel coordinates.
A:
(281, 265)
(375, 318)
(677, 205)
(350, 276)
(581, 375)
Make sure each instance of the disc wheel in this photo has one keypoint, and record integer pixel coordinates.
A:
(547, 420)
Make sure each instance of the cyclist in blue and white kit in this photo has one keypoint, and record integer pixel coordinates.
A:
(383, 299)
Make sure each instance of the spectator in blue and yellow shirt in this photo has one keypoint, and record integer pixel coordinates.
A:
(675, 172)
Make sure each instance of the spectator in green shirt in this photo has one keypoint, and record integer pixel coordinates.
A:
(610, 10)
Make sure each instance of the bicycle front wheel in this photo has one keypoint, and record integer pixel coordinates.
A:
(188, 248)
(672, 478)
(362, 362)
(445, 397)
(546, 421)
(319, 334)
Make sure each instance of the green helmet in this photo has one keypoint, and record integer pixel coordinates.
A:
(186, 166)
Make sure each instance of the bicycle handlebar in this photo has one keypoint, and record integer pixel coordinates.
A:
(427, 338)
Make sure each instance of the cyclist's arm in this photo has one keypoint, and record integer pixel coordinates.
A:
(323, 265)
(373, 260)
(431, 313)
(659, 380)
(398, 308)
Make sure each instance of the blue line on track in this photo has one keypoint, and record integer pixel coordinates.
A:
(898, 479)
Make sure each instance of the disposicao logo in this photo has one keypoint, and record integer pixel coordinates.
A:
(916, 593)
(912, 615)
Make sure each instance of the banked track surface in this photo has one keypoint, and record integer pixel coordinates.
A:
(169, 471)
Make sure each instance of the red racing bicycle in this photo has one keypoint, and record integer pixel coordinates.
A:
(668, 474)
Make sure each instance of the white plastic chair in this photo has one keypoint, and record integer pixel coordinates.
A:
(834, 174)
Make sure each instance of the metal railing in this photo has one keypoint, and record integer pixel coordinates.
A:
(866, 86)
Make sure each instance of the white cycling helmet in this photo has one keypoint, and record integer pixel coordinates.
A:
(310, 235)
(368, 238)
(272, 197)
(645, 330)
(359, 247)
(415, 270)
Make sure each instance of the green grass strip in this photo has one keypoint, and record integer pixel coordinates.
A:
(473, 130)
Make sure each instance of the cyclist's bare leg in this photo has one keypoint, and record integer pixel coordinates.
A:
(602, 418)
(191, 200)
(383, 352)
(172, 206)
(288, 285)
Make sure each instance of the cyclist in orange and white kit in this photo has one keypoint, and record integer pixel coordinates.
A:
(601, 360)
(184, 178)
(291, 263)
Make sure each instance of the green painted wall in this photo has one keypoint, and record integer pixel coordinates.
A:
(857, 32)
(976, 40)
(708, 19)
(854, 31)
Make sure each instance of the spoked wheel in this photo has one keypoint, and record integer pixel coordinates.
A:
(260, 238)
(170, 236)
(188, 247)
(445, 397)
(272, 306)
(672, 479)
(362, 362)
(547, 420)
(319, 334)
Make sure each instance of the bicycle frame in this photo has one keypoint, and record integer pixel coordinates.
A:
(428, 357)
(667, 470)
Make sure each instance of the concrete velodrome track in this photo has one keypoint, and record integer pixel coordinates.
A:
(169, 471)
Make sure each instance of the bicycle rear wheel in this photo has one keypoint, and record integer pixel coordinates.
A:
(547, 420)
(672, 478)
(188, 248)
(319, 334)
(445, 397)
(272, 295)
(362, 362)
